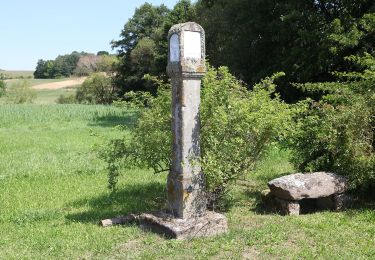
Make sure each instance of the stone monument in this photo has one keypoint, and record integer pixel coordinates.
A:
(186, 67)
(307, 192)
(185, 216)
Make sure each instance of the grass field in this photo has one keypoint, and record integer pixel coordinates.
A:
(17, 74)
(50, 96)
(34, 82)
(44, 96)
(53, 193)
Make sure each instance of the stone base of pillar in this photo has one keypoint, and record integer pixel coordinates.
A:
(210, 224)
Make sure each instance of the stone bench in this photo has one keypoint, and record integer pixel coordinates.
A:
(307, 192)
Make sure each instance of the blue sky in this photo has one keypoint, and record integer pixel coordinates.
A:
(43, 29)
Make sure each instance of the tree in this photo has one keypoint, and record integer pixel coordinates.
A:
(96, 89)
(143, 44)
(102, 53)
(91, 63)
(142, 57)
(62, 66)
(337, 131)
(45, 69)
(145, 23)
(108, 64)
(183, 11)
(39, 70)
(87, 65)
(288, 35)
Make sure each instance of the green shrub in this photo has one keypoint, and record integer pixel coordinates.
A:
(66, 99)
(337, 133)
(237, 127)
(20, 92)
(2, 85)
(96, 89)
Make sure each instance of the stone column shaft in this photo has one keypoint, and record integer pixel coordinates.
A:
(185, 181)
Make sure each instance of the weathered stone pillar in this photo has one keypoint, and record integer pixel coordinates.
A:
(186, 67)
(186, 216)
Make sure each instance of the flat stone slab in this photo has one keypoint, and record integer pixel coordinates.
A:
(210, 224)
(308, 186)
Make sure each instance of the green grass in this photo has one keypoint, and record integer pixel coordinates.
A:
(17, 74)
(53, 193)
(44, 96)
(50, 96)
(34, 82)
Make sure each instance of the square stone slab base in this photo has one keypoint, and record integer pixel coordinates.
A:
(210, 224)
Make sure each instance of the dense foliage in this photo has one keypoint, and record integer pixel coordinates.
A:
(237, 127)
(142, 48)
(337, 133)
(91, 63)
(62, 66)
(96, 89)
(297, 37)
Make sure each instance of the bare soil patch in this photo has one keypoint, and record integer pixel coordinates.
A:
(61, 84)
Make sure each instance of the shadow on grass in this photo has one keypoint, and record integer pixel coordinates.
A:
(137, 198)
(258, 206)
(127, 119)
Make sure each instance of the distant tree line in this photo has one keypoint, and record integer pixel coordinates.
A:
(76, 63)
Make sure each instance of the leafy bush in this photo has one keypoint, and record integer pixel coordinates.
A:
(237, 127)
(337, 133)
(96, 89)
(2, 85)
(66, 99)
(20, 92)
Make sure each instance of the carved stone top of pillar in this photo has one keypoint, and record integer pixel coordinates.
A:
(186, 52)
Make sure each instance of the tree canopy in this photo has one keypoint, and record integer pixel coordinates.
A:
(142, 47)
(62, 66)
(308, 40)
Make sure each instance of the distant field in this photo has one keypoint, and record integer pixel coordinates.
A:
(44, 97)
(69, 82)
(17, 74)
(34, 82)
(48, 90)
